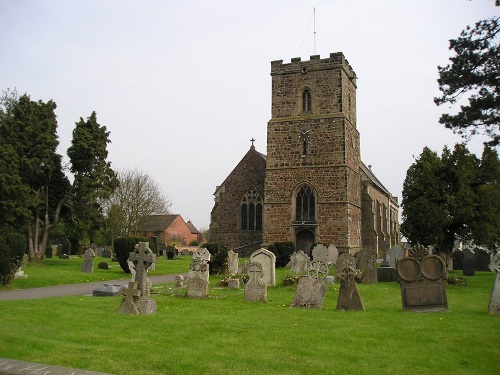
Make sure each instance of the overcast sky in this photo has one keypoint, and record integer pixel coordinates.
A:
(184, 85)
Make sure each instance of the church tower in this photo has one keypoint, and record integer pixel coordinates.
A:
(312, 178)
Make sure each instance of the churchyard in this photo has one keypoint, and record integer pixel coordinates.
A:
(223, 333)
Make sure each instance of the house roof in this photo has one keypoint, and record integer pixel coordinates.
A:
(156, 223)
(192, 228)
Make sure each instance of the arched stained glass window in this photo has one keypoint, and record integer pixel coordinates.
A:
(305, 205)
(251, 211)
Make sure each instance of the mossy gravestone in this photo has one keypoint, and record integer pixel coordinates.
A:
(311, 290)
(349, 298)
(423, 281)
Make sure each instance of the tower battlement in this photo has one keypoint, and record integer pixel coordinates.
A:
(316, 63)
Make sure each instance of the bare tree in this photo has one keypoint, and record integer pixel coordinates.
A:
(137, 196)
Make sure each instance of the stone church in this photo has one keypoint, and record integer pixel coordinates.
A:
(311, 186)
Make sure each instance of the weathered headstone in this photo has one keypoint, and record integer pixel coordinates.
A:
(366, 262)
(469, 262)
(88, 261)
(137, 300)
(268, 261)
(103, 266)
(494, 305)
(107, 253)
(320, 253)
(199, 267)
(311, 290)
(233, 259)
(299, 262)
(385, 272)
(20, 273)
(179, 281)
(107, 290)
(349, 298)
(423, 281)
(255, 288)
(333, 254)
(198, 278)
(343, 257)
(233, 284)
(395, 254)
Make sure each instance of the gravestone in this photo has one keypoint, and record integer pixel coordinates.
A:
(333, 254)
(366, 262)
(199, 266)
(88, 261)
(422, 281)
(179, 281)
(20, 273)
(99, 251)
(299, 262)
(137, 300)
(198, 278)
(311, 290)
(469, 262)
(233, 284)
(482, 260)
(107, 253)
(233, 262)
(343, 257)
(494, 304)
(59, 250)
(131, 267)
(395, 254)
(320, 253)
(255, 288)
(458, 260)
(267, 260)
(385, 272)
(107, 290)
(170, 255)
(103, 266)
(349, 298)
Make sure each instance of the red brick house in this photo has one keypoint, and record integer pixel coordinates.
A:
(169, 229)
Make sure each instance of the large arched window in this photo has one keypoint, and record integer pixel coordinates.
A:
(305, 204)
(306, 101)
(251, 211)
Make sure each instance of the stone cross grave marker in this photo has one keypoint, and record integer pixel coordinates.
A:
(268, 262)
(320, 253)
(255, 288)
(299, 262)
(233, 262)
(198, 278)
(366, 262)
(349, 298)
(422, 281)
(88, 261)
(311, 290)
(137, 300)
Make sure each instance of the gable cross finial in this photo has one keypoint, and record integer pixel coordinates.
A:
(252, 140)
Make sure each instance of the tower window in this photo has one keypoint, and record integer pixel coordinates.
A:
(251, 211)
(306, 101)
(305, 206)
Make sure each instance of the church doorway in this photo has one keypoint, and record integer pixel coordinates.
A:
(304, 240)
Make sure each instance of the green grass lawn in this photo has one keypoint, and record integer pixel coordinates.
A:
(225, 335)
(55, 271)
